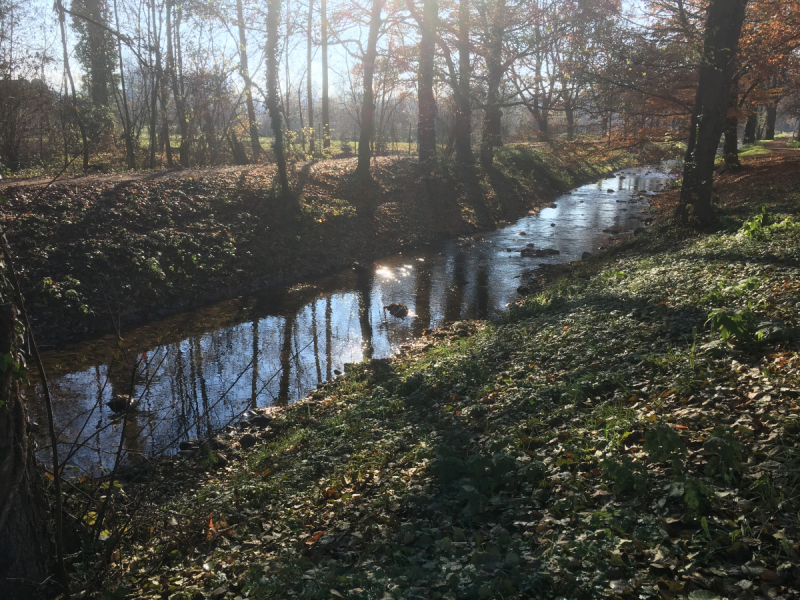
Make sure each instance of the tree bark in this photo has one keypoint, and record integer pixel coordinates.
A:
(309, 88)
(27, 549)
(326, 117)
(723, 27)
(491, 136)
(426, 130)
(255, 143)
(730, 149)
(273, 16)
(368, 100)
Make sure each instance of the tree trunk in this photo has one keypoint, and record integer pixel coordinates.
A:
(273, 15)
(723, 26)
(463, 124)
(255, 143)
(491, 136)
(749, 136)
(154, 92)
(326, 117)
(426, 131)
(165, 116)
(772, 117)
(180, 103)
(730, 149)
(27, 549)
(81, 127)
(98, 46)
(368, 100)
(127, 124)
(569, 113)
(309, 89)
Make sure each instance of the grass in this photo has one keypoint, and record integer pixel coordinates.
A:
(755, 149)
(747, 151)
(601, 440)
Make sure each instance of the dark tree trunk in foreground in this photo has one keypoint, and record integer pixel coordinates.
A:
(723, 26)
(426, 132)
(326, 115)
(273, 16)
(463, 118)
(26, 548)
(368, 100)
(730, 149)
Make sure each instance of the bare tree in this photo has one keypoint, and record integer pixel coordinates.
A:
(244, 70)
(368, 99)
(273, 16)
(326, 117)
(427, 102)
(309, 83)
(177, 93)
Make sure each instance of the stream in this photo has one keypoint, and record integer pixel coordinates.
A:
(201, 370)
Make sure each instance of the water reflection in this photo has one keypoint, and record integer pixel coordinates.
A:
(197, 372)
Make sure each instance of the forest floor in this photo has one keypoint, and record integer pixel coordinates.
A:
(631, 430)
(104, 252)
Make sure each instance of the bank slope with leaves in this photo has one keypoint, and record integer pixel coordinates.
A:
(631, 431)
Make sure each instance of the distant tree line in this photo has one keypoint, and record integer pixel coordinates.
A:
(166, 83)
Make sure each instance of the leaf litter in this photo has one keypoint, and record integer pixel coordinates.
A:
(607, 438)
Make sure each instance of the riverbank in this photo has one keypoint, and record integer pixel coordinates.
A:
(98, 254)
(632, 430)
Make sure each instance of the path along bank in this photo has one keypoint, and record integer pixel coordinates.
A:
(633, 430)
(102, 253)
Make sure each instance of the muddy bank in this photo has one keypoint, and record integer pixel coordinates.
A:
(112, 254)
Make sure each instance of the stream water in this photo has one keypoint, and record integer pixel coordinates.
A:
(202, 369)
